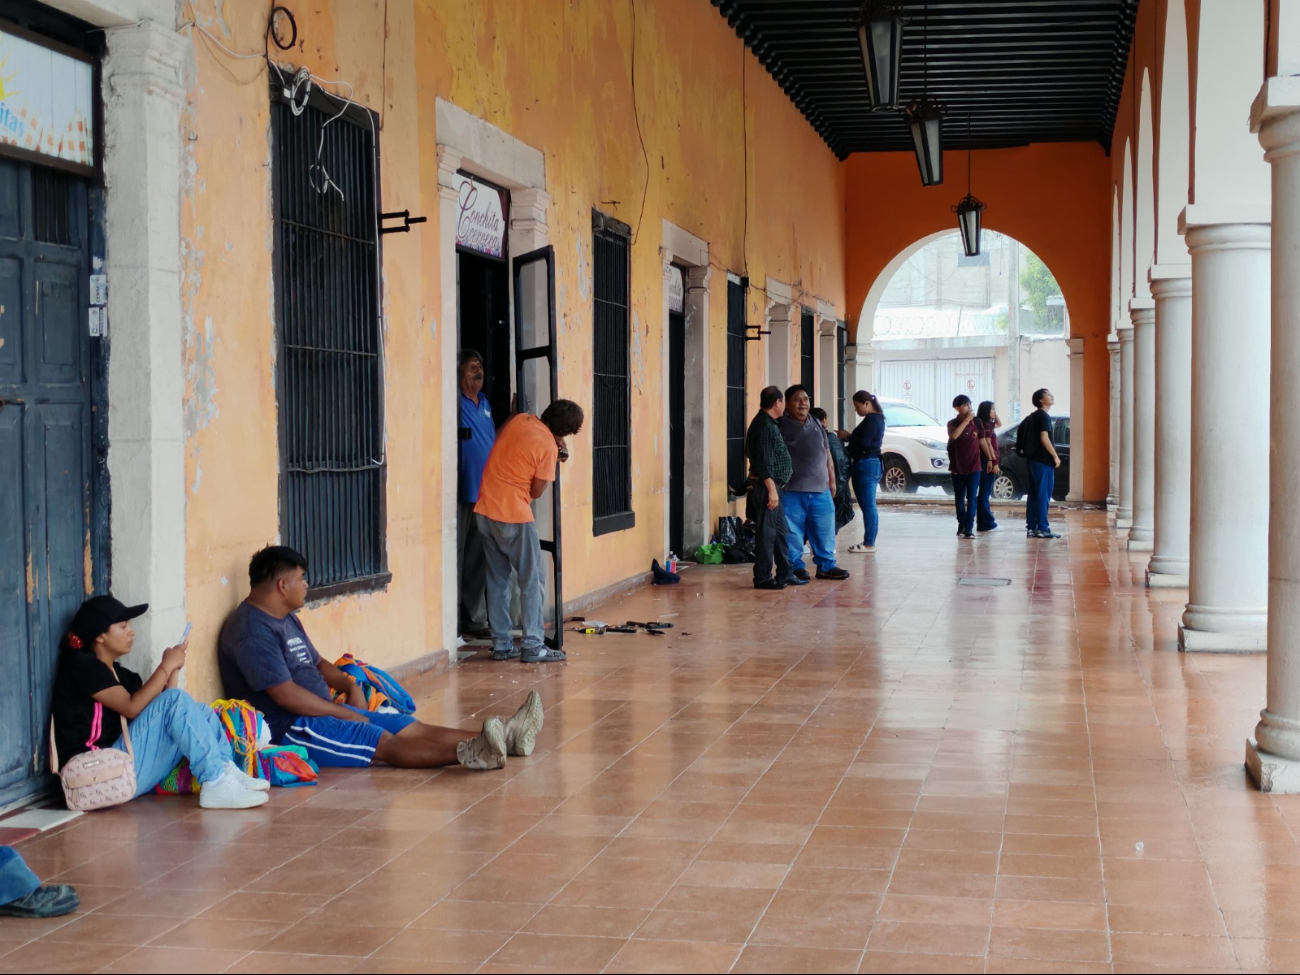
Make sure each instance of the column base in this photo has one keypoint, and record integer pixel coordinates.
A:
(1123, 523)
(1272, 773)
(1073, 498)
(1212, 641)
(1166, 580)
(1140, 544)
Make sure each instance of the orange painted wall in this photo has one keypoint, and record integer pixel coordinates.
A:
(1054, 198)
(557, 76)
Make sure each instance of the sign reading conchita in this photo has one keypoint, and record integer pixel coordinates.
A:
(481, 218)
(46, 101)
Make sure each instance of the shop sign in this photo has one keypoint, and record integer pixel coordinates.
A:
(676, 290)
(47, 100)
(481, 218)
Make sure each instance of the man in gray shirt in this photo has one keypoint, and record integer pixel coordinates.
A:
(808, 498)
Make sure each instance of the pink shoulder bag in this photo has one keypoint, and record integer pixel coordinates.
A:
(99, 778)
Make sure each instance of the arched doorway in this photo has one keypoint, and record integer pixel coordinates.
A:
(940, 324)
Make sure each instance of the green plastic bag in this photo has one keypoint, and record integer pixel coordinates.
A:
(710, 553)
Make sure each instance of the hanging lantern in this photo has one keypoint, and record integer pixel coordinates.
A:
(926, 122)
(970, 215)
(880, 35)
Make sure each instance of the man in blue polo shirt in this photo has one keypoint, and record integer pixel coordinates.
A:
(478, 433)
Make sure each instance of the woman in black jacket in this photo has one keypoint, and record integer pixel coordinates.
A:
(864, 450)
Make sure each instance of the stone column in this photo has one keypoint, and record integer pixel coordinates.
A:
(1273, 755)
(143, 97)
(1228, 554)
(859, 368)
(1142, 532)
(1112, 493)
(1172, 286)
(1124, 516)
(1077, 415)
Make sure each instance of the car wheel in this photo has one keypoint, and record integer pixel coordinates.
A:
(1005, 488)
(897, 478)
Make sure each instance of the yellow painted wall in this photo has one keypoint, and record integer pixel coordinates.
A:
(555, 74)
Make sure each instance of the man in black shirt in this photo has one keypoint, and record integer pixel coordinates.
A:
(1043, 460)
(770, 469)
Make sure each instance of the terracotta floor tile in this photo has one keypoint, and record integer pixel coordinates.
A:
(1059, 915)
(1041, 944)
(774, 958)
(332, 939)
(175, 959)
(674, 957)
(1133, 951)
(602, 922)
(664, 925)
(129, 929)
(929, 937)
(279, 963)
(464, 948)
(906, 962)
(219, 934)
(812, 932)
(558, 950)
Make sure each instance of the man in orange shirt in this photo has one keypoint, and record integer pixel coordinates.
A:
(520, 466)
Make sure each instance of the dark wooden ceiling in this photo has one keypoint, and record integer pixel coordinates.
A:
(1015, 71)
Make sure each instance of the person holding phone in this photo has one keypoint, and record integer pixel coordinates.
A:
(94, 695)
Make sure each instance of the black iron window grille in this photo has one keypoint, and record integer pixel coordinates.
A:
(841, 347)
(611, 421)
(330, 356)
(807, 336)
(736, 414)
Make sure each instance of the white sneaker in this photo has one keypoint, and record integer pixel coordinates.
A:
(246, 780)
(862, 549)
(228, 793)
(487, 751)
(522, 729)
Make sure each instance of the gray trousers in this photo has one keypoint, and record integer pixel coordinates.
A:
(506, 547)
(472, 569)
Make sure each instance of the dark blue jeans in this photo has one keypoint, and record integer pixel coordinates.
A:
(984, 519)
(966, 487)
(16, 880)
(1042, 479)
(866, 477)
(770, 531)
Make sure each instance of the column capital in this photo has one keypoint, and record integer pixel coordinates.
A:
(1199, 216)
(1142, 311)
(147, 56)
(1171, 286)
(1230, 236)
(1275, 115)
(528, 211)
(1075, 346)
(449, 161)
(697, 278)
(1125, 333)
(1112, 346)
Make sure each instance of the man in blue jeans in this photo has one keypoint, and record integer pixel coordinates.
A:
(1043, 460)
(809, 497)
(964, 464)
(21, 893)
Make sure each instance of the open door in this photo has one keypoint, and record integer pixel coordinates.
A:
(536, 389)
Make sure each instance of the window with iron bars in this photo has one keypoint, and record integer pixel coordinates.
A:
(330, 350)
(736, 345)
(611, 439)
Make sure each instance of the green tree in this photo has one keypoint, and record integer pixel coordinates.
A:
(1037, 285)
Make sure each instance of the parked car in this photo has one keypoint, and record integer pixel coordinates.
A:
(914, 452)
(1013, 483)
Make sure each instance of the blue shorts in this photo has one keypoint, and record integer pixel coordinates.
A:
(335, 743)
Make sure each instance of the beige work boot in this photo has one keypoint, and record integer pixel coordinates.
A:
(487, 751)
(522, 729)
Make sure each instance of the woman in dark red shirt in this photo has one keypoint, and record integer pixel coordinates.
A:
(986, 425)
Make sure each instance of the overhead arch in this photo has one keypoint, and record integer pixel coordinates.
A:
(1052, 197)
(1126, 248)
(1173, 127)
(1144, 212)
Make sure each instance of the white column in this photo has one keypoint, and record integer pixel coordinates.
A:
(143, 98)
(1124, 516)
(1112, 493)
(1172, 286)
(1142, 311)
(1077, 417)
(1273, 755)
(1228, 553)
(859, 366)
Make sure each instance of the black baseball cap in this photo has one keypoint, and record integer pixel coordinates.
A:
(99, 613)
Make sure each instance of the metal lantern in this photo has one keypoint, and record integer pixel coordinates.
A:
(880, 35)
(926, 122)
(970, 213)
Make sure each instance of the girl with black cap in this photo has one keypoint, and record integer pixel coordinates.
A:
(93, 693)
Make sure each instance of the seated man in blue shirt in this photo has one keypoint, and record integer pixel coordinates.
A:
(267, 659)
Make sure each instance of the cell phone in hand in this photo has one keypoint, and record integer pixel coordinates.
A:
(186, 635)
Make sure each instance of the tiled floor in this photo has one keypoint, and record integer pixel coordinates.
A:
(896, 773)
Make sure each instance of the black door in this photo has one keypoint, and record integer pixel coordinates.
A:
(676, 431)
(537, 387)
(807, 337)
(49, 514)
(484, 310)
